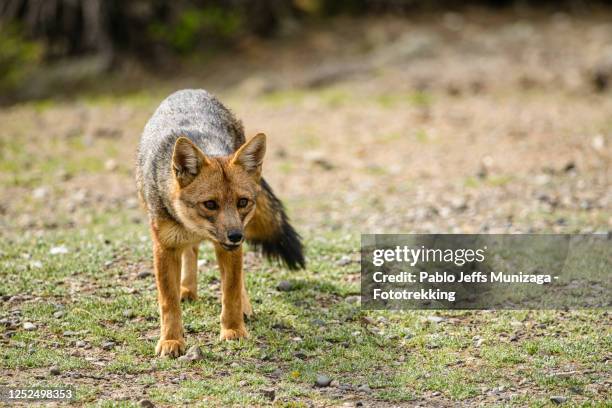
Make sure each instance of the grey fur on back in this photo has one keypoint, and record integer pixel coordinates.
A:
(193, 113)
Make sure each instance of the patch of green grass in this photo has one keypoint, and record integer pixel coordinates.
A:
(295, 335)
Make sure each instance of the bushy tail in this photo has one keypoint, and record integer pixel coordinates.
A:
(270, 230)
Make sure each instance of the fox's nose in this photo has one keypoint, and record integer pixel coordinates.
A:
(235, 236)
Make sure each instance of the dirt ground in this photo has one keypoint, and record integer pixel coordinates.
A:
(456, 123)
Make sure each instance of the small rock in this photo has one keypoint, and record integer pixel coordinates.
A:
(111, 165)
(353, 299)
(193, 354)
(40, 193)
(569, 167)
(367, 320)
(318, 322)
(143, 274)
(558, 399)
(145, 404)
(598, 142)
(54, 370)
(128, 313)
(69, 333)
(345, 260)
(300, 355)
(284, 286)
(202, 262)
(58, 250)
(29, 326)
(108, 345)
(269, 393)
(323, 380)
(435, 319)
(59, 314)
(435, 394)
(80, 343)
(364, 388)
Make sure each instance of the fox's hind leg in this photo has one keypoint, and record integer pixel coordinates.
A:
(247, 309)
(232, 292)
(189, 273)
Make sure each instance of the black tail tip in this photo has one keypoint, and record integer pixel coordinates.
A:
(286, 247)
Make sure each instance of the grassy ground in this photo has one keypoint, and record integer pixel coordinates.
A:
(509, 139)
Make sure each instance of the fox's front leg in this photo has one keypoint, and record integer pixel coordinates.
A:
(232, 287)
(189, 273)
(167, 262)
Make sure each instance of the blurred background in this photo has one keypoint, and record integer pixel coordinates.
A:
(60, 45)
(491, 115)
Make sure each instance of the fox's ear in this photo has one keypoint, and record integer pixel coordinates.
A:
(187, 161)
(250, 155)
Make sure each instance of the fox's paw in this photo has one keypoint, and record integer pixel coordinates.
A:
(234, 334)
(188, 294)
(170, 348)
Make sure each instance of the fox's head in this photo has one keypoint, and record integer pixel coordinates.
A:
(214, 197)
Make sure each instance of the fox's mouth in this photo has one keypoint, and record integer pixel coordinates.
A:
(230, 247)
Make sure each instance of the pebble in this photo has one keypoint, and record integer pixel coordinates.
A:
(558, 399)
(364, 388)
(345, 260)
(108, 345)
(80, 343)
(368, 320)
(318, 322)
(353, 299)
(435, 319)
(145, 403)
(29, 326)
(269, 393)
(323, 380)
(59, 314)
(128, 313)
(193, 354)
(40, 193)
(54, 370)
(58, 250)
(111, 165)
(143, 274)
(284, 286)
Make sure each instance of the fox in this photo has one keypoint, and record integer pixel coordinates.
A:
(199, 179)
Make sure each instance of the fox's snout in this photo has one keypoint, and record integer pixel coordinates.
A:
(235, 236)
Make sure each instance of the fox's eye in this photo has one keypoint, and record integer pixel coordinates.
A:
(210, 204)
(243, 202)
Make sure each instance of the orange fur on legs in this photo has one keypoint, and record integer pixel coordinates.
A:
(232, 287)
(167, 262)
(189, 273)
